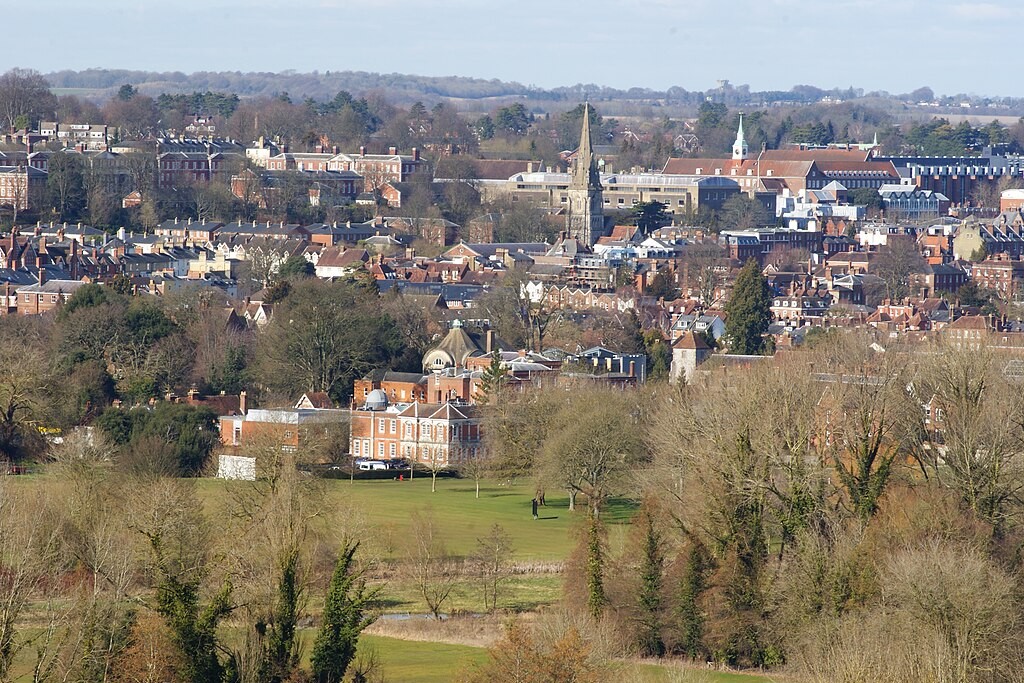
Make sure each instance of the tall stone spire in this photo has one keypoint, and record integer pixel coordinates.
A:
(585, 218)
(739, 148)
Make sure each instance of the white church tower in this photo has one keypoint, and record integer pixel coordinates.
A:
(739, 148)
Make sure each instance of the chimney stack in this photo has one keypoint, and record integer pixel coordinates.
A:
(415, 153)
(362, 150)
(392, 150)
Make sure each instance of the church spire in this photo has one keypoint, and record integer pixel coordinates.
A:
(585, 173)
(739, 148)
(585, 217)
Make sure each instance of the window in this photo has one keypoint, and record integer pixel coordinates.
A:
(393, 426)
(380, 425)
(391, 450)
(380, 449)
(355, 447)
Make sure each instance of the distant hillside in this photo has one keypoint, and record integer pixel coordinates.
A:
(298, 85)
(471, 94)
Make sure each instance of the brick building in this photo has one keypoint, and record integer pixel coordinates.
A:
(432, 434)
(21, 187)
(1000, 274)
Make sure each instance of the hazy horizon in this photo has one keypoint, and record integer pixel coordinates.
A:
(767, 44)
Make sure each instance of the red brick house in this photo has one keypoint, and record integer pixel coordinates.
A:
(432, 434)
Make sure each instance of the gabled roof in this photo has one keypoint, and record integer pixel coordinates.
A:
(333, 257)
(969, 322)
(689, 340)
(315, 399)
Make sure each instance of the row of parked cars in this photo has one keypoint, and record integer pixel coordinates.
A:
(367, 465)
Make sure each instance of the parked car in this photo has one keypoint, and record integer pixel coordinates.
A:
(373, 465)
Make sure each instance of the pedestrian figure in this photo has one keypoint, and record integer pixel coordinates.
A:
(534, 503)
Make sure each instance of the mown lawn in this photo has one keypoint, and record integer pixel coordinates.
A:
(384, 508)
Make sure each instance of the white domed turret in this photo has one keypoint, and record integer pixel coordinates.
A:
(376, 400)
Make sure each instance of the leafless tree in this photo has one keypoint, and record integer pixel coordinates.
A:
(704, 261)
(594, 444)
(492, 562)
(974, 443)
(24, 93)
(434, 571)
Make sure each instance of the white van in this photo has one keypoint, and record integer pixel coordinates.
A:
(367, 465)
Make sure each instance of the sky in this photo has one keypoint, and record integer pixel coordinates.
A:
(893, 45)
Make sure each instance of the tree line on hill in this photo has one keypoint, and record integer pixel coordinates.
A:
(405, 88)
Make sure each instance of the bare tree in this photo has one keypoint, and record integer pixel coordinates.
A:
(492, 562)
(25, 97)
(704, 262)
(594, 443)
(975, 442)
(23, 388)
(896, 264)
(434, 571)
(869, 426)
(29, 549)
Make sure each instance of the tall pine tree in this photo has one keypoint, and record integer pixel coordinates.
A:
(649, 596)
(596, 598)
(749, 311)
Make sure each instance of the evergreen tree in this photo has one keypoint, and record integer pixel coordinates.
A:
(749, 311)
(193, 626)
(345, 617)
(281, 654)
(649, 598)
(296, 266)
(596, 598)
(689, 616)
(492, 378)
(649, 216)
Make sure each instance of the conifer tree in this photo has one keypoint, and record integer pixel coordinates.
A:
(345, 617)
(689, 616)
(649, 598)
(749, 311)
(596, 598)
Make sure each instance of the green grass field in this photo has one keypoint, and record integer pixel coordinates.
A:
(409, 661)
(385, 507)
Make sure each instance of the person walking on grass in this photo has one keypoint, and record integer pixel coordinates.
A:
(533, 503)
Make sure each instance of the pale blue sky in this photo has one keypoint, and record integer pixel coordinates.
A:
(896, 45)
